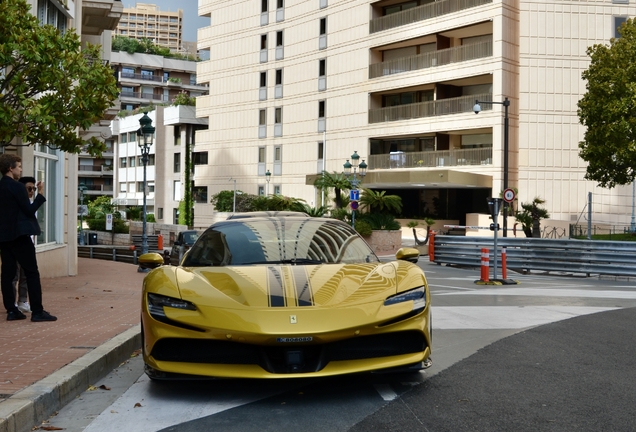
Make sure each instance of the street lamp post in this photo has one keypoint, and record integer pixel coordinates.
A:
(145, 136)
(234, 202)
(477, 110)
(354, 168)
(81, 189)
(268, 175)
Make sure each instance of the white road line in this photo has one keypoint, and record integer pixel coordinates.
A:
(549, 292)
(505, 317)
(386, 392)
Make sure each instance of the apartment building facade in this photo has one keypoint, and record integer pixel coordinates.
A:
(146, 20)
(297, 86)
(56, 246)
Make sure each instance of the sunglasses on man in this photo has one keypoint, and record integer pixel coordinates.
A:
(30, 188)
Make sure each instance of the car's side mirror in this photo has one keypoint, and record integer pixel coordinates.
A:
(176, 243)
(408, 254)
(150, 260)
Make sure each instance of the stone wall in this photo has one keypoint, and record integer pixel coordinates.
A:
(385, 241)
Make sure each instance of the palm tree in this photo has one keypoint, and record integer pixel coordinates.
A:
(530, 217)
(378, 200)
(336, 181)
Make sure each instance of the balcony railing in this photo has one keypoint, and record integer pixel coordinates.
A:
(431, 59)
(421, 13)
(87, 169)
(429, 109)
(138, 95)
(155, 78)
(430, 159)
(98, 188)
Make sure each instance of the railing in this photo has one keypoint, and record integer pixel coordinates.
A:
(581, 230)
(136, 76)
(523, 254)
(429, 109)
(99, 188)
(138, 95)
(431, 59)
(96, 169)
(421, 13)
(106, 252)
(427, 159)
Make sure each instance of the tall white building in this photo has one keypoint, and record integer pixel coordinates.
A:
(296, 86)
(146, 20)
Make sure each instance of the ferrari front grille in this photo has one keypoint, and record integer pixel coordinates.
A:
(276, 359)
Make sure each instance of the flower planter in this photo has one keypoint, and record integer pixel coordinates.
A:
(385, 240)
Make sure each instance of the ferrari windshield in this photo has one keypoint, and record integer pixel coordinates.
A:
(296, 241)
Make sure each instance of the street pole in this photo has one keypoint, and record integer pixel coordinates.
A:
(506, 104)
(82, 242)
(145, 136)
(632, 226)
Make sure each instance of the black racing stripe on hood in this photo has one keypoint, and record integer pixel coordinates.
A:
(303, 288)
(275, 287)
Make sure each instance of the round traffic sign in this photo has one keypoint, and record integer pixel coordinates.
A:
(354, 205)
(509, 195)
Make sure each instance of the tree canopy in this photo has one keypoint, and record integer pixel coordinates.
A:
(608, 110)
(49, 85)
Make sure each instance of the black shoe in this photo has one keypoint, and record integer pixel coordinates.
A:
(42, 316)
(14, 315)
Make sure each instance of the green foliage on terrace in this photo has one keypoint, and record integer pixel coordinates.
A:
(146, 46)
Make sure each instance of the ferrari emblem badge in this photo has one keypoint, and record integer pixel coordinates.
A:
(292, 319)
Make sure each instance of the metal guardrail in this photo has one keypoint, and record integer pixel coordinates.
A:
(106, 252)
(551, 255)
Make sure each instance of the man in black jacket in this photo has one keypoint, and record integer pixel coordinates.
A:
(17, 224)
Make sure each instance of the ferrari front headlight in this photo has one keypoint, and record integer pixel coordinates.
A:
(416, 295)
(157, 302)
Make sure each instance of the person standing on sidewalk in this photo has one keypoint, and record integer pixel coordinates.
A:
(20, 278)
(15, 239)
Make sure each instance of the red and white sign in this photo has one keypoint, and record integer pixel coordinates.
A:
(509, 195)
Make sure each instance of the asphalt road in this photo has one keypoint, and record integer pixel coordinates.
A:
(552, 353)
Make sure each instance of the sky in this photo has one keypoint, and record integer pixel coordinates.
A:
(191, 20)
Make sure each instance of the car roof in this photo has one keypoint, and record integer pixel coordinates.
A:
(256, 214)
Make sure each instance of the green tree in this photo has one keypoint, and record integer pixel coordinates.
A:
(50, 85)
(335, 181)
(530, 217)
(183, 98)
(608, 110)
(380, 201)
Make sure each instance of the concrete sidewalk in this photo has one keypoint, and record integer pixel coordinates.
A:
(45, 365)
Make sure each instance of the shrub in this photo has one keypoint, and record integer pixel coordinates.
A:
(380, 221)
(150, 217)
(363, 228)
(99, 224)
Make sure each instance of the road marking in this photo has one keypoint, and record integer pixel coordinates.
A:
(549, 292)
(386, 392)
(505, 317)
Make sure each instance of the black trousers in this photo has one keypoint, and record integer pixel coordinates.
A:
(20, 251)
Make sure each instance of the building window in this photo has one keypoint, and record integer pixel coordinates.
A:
(264, 5)
(262, 91)
(46, 169)
(263, 41)
(175, 216)
(200, 194)
(279, 76)
(278, 122)
(200, 158)
(176, 190)
(48, 13)
(279, 38)
(278, 88)
(322, 38)
(140, 187)
(322, 125)
(261, 191)
(176, 167)
(131, 161)
(262, 123)
(151, 160)
(131, 187)
(132, 137)
(277, 154)
(276, 189)
(123, 138)
(177, 135)
(122, 187)
(323, 26)
(321, 109)
(618, 22)
(151, 187)
(261, 155)
(263, 79)
(321, 150)
(122, 162)
(160, 213)
(322, 72)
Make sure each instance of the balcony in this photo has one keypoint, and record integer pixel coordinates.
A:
(127, 76)
(431, 159)
(100, 15)
(95, 171)
(462, 104)
(431, 59)
(138, 97)
(421, 13)
(99, 190)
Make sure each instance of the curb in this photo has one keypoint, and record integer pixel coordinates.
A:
(29, 407)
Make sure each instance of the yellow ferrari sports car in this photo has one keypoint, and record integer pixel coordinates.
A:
(283, 297)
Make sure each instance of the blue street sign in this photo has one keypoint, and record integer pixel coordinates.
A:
(354, 195)
(354, 205)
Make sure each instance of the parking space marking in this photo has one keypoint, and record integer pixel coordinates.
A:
(551, 292)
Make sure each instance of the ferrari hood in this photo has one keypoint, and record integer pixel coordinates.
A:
(272, 286)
